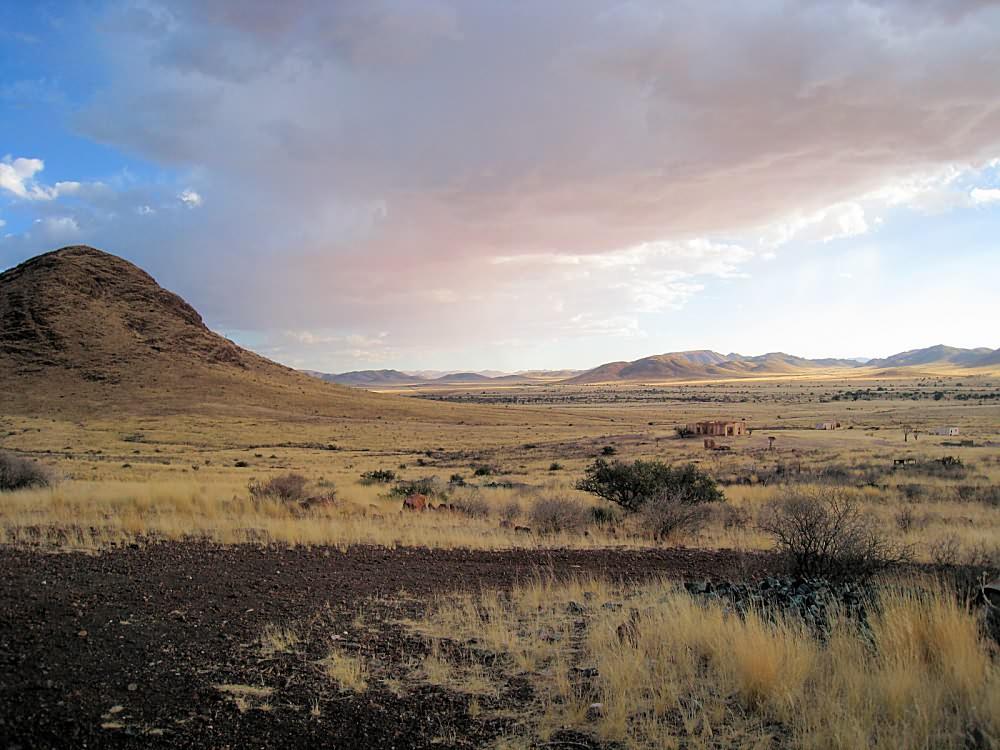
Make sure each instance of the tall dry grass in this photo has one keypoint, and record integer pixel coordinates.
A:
(691, 673)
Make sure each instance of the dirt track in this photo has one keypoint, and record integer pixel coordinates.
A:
(152, 630)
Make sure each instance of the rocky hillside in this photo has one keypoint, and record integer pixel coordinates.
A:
(85, 332)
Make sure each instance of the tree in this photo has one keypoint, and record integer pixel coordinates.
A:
(632, 485)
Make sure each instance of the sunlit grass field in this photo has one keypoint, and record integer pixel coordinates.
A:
(177, 477)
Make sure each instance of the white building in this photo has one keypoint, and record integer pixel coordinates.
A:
(827, 425)
(949, 431)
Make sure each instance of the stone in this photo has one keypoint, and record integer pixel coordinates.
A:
(415, 502)
(595, 711)
(992, 592)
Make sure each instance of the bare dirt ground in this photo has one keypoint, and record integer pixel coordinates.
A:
(128, 648)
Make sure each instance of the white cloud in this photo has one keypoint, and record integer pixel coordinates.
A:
(834, 222)
(190, 198)
(985, 195)
(16, 175)
(59, 228)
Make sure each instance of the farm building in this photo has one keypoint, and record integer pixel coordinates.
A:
(949, 431)
(719, 428)
(828, 425)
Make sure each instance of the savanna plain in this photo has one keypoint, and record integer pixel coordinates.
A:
(523, 566)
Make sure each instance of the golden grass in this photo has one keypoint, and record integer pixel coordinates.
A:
(693, 674)
(174, 476)
(278, 640)
(349, 671)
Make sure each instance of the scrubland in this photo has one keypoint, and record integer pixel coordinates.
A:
(589, 661)
(142, 479)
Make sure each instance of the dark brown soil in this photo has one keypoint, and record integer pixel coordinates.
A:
(153, 630)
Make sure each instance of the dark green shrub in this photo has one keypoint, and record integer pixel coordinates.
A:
(632, 485)
(425, 486)
(378, 476)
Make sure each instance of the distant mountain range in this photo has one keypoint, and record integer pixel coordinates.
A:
(701, 364)
(390, 378)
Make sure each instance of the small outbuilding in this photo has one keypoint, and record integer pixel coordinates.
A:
(948, 431)
(828, 425)
(719, 428)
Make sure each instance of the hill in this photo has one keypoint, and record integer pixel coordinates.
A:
(701, 364)
(709, 365)
(83, 332)
(368, 378)
(938, 355)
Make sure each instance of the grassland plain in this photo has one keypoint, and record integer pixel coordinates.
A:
(356, 623)
(177, 475)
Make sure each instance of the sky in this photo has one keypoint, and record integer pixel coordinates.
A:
(508, 184)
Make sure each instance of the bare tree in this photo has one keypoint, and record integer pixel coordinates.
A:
(826, 533)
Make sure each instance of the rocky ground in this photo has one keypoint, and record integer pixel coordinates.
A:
(127, 648)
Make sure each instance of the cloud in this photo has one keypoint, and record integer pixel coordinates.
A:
(379, 164)
(189, 198)
(985, 195)
(59, 228)
(17, 176)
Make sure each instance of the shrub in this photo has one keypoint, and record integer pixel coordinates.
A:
(484, 470)
(672, 513)
(608, 450)
(684, 431)
(473, 506)
(378, 476)
(604, 515)
(732, 516)
(286, 488)
(18, 473)
(510, 510)
(551, 515)
(944, 552)
(555, 466)
(631, 485)
(424, 486)
(456, 480)
(825, 533)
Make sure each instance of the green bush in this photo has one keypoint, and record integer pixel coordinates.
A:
(378, 476)
(428, 486)
(632, 485)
